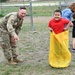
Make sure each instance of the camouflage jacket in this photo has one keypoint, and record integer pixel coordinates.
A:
(11, 23)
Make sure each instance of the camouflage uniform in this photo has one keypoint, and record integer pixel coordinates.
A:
(9, 25)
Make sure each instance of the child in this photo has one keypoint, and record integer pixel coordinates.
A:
(73, 32)
(59, 55)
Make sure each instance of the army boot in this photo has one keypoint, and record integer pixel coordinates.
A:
(17, 60)
(11, 62)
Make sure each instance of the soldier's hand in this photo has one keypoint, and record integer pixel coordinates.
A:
(15, 38)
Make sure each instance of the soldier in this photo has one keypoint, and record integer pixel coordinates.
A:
(10, 25)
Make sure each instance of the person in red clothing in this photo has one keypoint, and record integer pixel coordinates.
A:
(58, 41)
(57, 23)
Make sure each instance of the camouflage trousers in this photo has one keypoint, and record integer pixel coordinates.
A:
(8, 46)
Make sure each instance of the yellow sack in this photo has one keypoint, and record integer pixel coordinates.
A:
(59, 55)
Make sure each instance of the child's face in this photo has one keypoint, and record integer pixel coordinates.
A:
(57, 15)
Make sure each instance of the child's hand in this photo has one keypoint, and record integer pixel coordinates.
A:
(65, 28)
(50, 29)
(71, 25)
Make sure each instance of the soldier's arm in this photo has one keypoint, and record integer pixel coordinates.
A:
(10, 24)
(10, 28)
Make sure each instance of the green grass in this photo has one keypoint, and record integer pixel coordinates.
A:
(33, 47)
(37, 11)
(43, 10)
(1, 15)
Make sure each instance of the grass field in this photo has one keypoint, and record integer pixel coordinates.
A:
(37, 11)
(33, 48)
